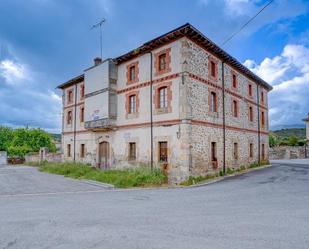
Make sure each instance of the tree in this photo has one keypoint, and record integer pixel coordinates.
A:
(21, 141)
(293, 140)
(273, 140)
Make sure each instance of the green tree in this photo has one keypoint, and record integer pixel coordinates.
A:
(293, 140)
(6, 137)
(273, 140)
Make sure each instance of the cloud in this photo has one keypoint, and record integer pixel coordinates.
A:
(289, 74)
(13, 72)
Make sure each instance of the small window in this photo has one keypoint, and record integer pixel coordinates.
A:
(69, 117)
(235, 108)
(82, 114)
(132, 151)
(234, 79)
(82, 91)
(263, 119)
(69, 150)
(213, 102)
(132, 75)
(213, 151)
(70, 96)
(82, 150)
(163, 152)
(263, 151)
(163, 97)
(251, 150)
(235, 151)
(162, 62)
(250, 90)
(132, 103)
(262, 97)
(251, 114)
(213, 69)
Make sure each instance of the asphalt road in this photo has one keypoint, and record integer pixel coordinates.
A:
(268, 208)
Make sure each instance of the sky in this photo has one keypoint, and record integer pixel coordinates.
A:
(44, 43)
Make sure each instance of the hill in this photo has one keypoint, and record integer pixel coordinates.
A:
(300, 133)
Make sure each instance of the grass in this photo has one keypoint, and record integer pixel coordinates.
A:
(126, 178)
(229, 171)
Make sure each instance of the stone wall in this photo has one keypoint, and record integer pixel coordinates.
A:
(49, 157)
(288, 152)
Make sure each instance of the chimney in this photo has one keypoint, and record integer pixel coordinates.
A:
(97, 61)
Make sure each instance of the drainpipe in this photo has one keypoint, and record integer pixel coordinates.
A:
(74, 134)
(151, 115)
(223, 109)
(259, 131)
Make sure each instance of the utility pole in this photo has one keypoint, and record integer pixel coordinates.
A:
(99, 25)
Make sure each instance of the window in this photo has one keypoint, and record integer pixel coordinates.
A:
(69, 117)
(163, 152)
(234, 81)
(263, 119)
(82, 113)
(263, 151)
(132, 75)
(262, 97)
(132, 151)
(69, 150)
(162, 62)
(251, 150)
(82, 91)
(213, 102)
(235, 151)
(250, 114)
(163, 97)
(213, 151)
(235, 108)
(213, 69)
(250, 90)
(132, 103)
(70, 96)
(82, 150)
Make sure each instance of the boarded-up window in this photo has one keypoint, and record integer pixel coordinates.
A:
(82, 91)
(82, 150)
(235, 151)
(213, 102)
(263, 151)
(251, 150)
(132, 151)
(235, 108)
(251, 114)
(234, 80)
(132, 75)
(163, 152)
(162, 62)
(263, 119)
(250, 90)
(213, 69)
(82, 114)
(69, 117)
(213, 151)
(70, 96)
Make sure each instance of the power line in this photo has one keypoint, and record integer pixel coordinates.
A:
(244, 25)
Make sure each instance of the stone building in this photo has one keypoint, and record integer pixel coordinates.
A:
(178, 101)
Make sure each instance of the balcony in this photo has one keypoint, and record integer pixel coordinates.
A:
(101, 124)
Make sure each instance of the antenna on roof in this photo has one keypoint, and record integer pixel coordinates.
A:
(99, 25)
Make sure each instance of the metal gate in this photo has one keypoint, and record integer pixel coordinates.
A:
(3, 157)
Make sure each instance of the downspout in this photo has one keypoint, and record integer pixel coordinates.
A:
(223, 110)
(151, 115)
(259, 131)
(74, 134)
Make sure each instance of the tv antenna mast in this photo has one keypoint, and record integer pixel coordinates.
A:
(99, 25)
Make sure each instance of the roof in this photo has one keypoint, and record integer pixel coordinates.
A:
(187, 30)
(71, 82)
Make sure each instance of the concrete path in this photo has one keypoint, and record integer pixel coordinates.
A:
(268, 208)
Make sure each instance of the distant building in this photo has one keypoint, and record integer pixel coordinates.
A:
(307, 126)
(202, 109)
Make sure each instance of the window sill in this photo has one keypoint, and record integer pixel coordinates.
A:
(159, 111)
(214, 114)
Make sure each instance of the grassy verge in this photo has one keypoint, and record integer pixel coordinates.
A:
(138, 177)
(229, 171)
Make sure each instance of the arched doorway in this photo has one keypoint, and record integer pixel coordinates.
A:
(104, 155)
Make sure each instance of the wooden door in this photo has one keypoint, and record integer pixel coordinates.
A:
(104, 155)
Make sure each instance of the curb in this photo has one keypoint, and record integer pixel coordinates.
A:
(98, 184)
(228, 176)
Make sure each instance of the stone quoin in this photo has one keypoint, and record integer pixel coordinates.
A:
(209, 112)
